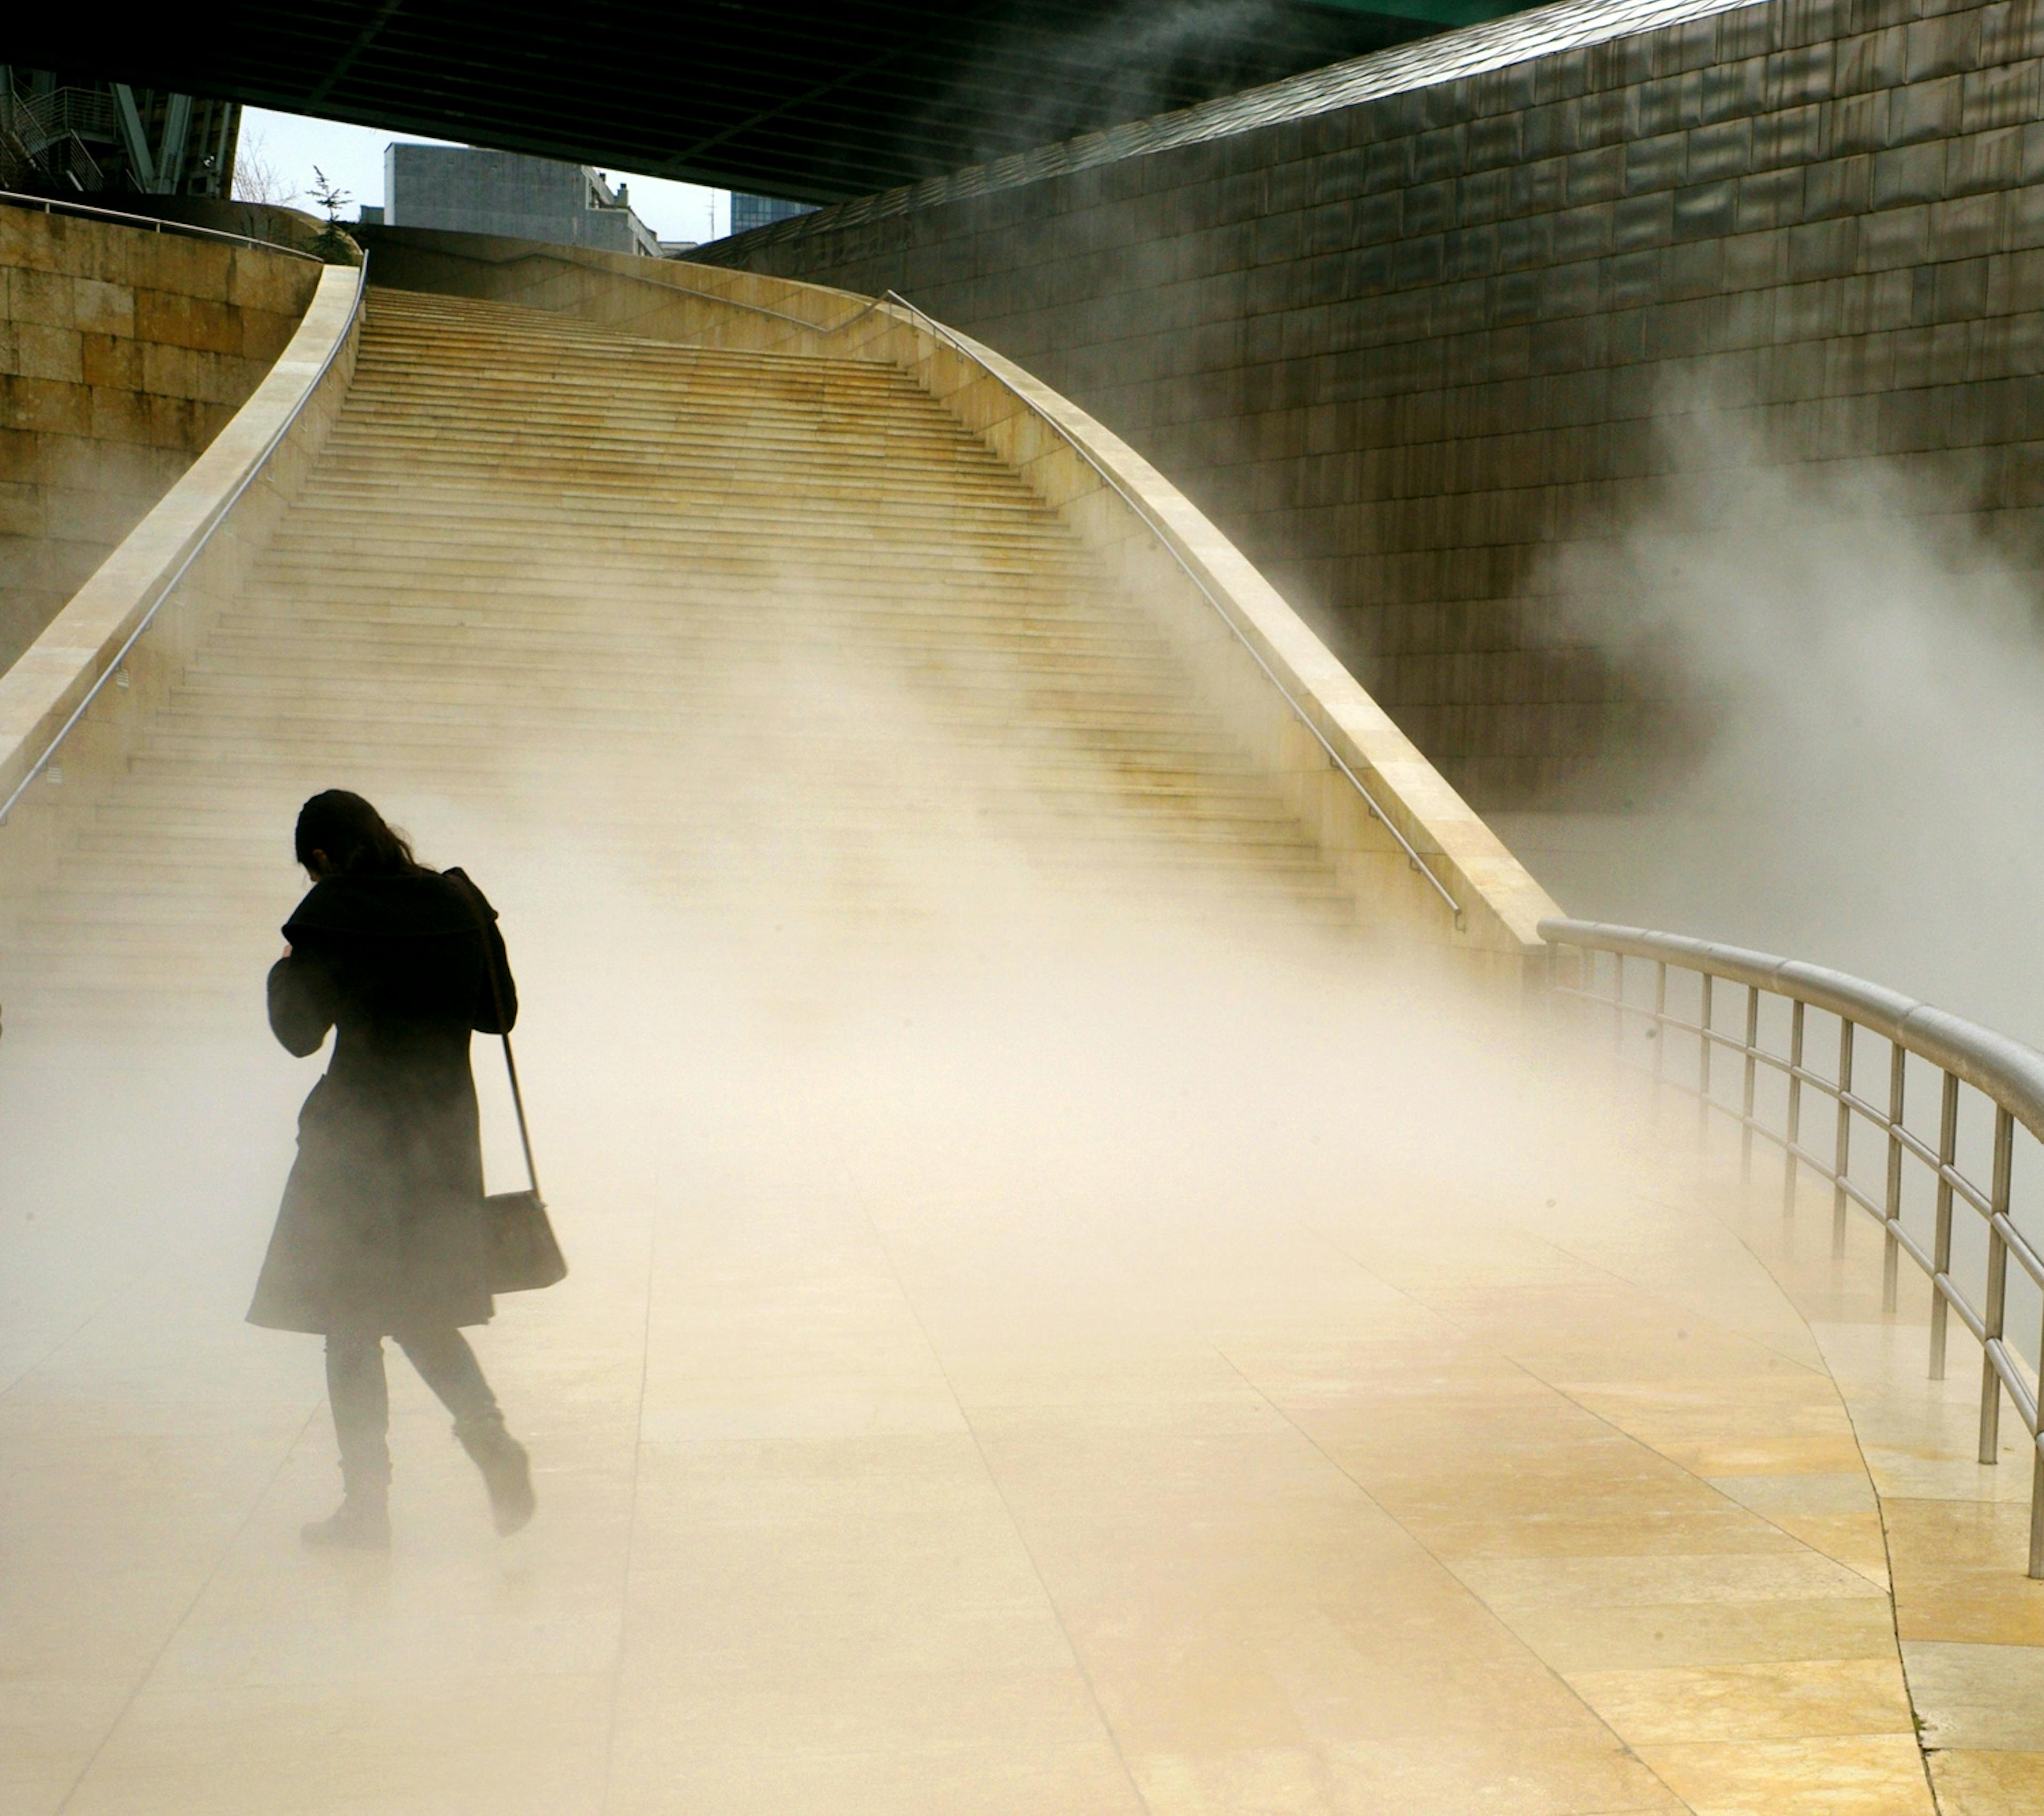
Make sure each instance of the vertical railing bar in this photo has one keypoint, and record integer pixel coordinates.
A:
(2036, 1511)
(1994, 1314)
(1795, 1108)
(2036, 1480)
(1898, 1071)
(1660, 1030)
(1703, 1020)
(1991, 1320)
(1843, 1151)
(1941, 1247)
(1752, 1066)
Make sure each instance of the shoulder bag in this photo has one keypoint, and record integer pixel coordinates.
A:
(522, 1254)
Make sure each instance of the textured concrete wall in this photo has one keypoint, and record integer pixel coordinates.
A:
(123, 352)
(1404, 330)
(459, 189)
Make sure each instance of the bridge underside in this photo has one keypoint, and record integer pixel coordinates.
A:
(803, 99)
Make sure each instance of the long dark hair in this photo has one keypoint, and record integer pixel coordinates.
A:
(354, 838)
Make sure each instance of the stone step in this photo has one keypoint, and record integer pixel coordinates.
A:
(753, 627)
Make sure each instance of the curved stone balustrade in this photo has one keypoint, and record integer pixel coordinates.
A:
(129, 345)
(1121, 505)
(187, 554)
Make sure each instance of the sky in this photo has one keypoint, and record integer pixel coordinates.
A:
(292, 144)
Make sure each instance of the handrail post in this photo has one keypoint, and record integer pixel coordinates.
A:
(1941, 1252)
(1995, 1312)
(1752, 1065)
(1660, 1032)
(1843, 1152)
(1704, 1064)
(1898, 1072)
(1618, 1004)
(1795, 1108)
(2036, 1511)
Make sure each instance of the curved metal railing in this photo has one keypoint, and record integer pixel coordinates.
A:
(1150, 520)
(57, 205)
(2007, 1077)
(964, 348)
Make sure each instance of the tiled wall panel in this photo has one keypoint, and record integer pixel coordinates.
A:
(1406, 347)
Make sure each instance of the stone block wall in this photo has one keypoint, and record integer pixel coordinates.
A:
(1409, 329)
(123, 352)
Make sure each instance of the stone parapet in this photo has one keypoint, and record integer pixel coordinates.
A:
(169, 576)
(123, 353)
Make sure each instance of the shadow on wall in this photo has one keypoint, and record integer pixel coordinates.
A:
(1857, 777)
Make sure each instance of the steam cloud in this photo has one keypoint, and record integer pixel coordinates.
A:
(1861, 670)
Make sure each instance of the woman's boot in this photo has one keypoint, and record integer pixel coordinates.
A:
(360, 1525)
(507, 1472)
(361, 1402)
(362, 1522)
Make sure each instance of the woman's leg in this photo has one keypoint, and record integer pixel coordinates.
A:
(360, 1397)
(449, 1366)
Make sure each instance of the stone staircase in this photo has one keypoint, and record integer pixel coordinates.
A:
(772, 636)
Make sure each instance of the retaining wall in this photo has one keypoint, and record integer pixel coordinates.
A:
(123, 353)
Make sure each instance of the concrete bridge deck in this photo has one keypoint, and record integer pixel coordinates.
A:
(1061, 1321)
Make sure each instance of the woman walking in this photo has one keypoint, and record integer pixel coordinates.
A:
(381, 1230)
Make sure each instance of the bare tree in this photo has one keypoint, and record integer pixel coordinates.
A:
(257, 180)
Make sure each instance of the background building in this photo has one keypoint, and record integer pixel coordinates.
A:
(750, 211)
(61, 134)
(463, 190)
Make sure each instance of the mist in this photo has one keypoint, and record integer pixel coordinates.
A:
(1845, 674)
(1136, 61)
(1004, 1215)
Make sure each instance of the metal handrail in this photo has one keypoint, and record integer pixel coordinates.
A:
(1142, 508)
(51, 204)
(2009, 1074)
(966, 350)
(1107, 477)
(220, 517)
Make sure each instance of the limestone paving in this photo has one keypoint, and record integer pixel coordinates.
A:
(1008, 1363)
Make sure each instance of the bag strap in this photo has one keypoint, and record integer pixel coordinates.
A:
(510, 1064)
(517, 1097)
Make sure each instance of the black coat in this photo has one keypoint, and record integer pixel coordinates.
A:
(381, 1227)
